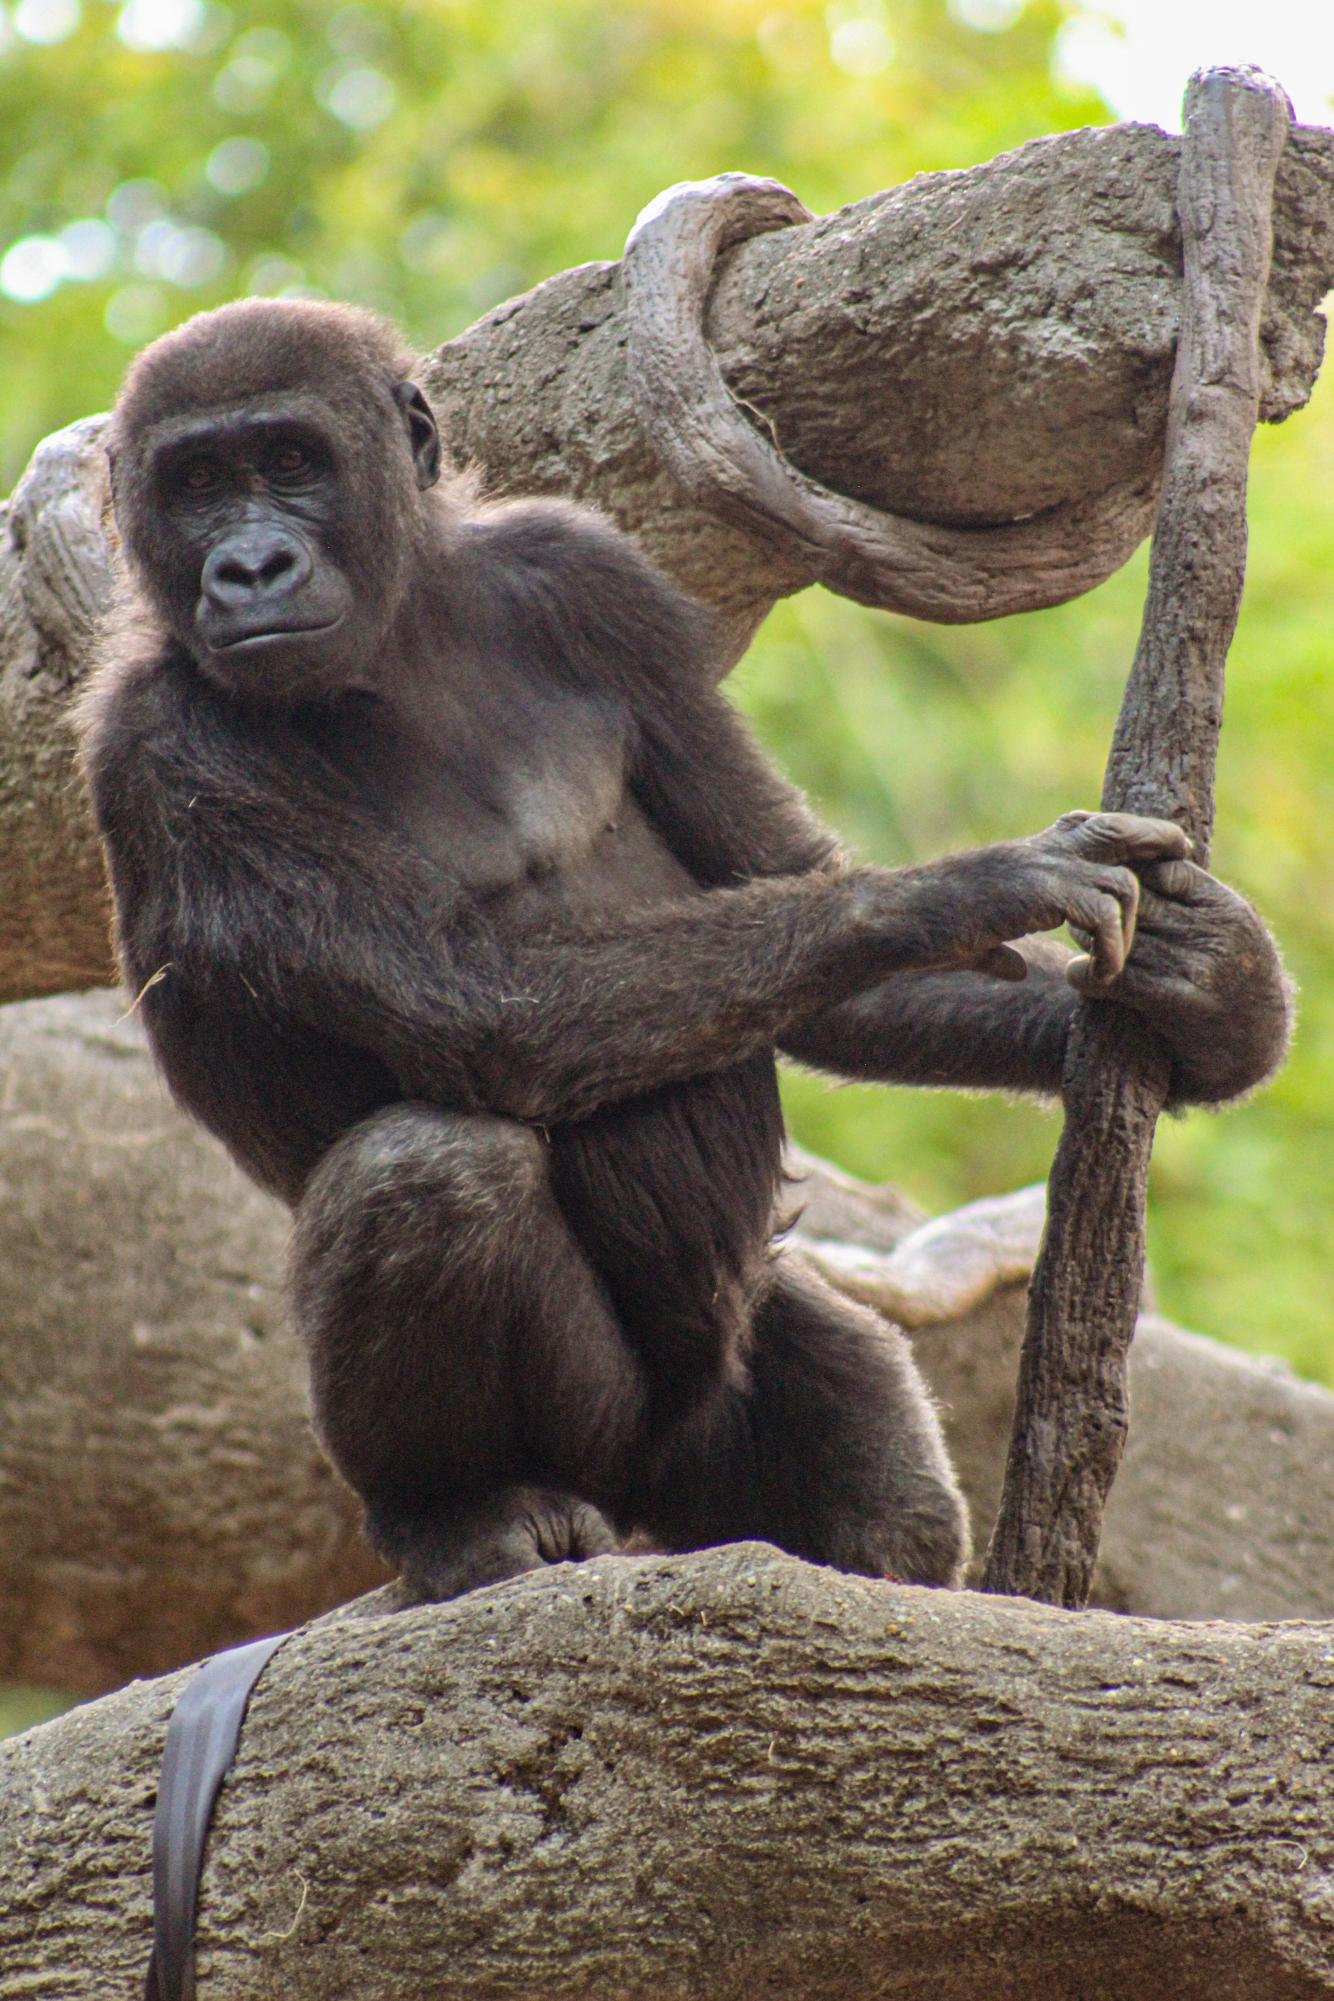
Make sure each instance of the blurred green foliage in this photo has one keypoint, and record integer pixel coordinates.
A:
(24, 1708)
(432, 157)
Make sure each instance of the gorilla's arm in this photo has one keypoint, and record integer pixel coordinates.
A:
(962, 1030)
(254, 881)
(1203, 969)
(252, 884)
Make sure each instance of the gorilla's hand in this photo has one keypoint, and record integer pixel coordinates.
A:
(1204, 971)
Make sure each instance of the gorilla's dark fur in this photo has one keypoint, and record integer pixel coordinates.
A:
(466, 912)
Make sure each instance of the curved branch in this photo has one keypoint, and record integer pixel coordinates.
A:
(724, 461)
(721, 1775)
(970, 348)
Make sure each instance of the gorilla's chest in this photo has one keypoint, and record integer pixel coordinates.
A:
(522, 798)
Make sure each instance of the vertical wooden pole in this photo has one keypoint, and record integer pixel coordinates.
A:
(1070, 1422)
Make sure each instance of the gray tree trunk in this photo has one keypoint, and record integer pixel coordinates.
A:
(722, 1776)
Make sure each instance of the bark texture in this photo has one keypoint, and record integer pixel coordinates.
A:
(1073, 1410)
(719, 1776)
(55, 579)
(970, 349)
(161, 1495)
(737, 470)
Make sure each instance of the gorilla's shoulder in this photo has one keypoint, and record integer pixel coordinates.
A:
(569, 568)
(539, 537)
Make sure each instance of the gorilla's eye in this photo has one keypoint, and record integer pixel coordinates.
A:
(290, 461)
(199, 476)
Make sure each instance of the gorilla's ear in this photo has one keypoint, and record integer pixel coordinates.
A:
(423, 436)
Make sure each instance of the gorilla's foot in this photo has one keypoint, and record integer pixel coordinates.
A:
(488, 1538)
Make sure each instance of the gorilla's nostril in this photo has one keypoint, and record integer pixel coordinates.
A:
(277, 565)
(254, 565)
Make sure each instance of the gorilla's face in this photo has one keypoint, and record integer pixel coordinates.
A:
(272, 534)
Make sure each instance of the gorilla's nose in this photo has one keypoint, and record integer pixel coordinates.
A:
(255, 565)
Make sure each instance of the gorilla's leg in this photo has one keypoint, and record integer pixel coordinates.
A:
(468, 1378)
(832, 1449)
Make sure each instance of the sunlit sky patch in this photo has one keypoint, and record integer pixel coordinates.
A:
(1139, 53)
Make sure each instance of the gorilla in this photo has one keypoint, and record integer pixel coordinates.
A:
(465, 911)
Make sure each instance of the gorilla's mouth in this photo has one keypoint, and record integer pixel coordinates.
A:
(269, 635)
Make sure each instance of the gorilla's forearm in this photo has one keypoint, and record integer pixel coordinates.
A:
(1227, 1018)
(566, 1023)
(963, 1029)
(698, 986)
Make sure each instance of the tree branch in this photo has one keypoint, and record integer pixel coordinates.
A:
(719, 1776)
(968, 348)
(725, 460)
(1025, 313)
(1072, 1415)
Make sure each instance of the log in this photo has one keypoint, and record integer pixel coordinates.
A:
(161, 1495)
(715, 1776)
(1026, 312)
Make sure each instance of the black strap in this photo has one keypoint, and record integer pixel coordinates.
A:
(201, 1743)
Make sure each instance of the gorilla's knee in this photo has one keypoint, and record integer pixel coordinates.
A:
(415, 1167)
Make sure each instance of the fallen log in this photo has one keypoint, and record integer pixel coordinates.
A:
(718, 1776)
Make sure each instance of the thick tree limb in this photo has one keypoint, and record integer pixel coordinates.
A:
(970, 348)
(715, 450)
(161, 1495)
(718, 1776)
(1072, 1414)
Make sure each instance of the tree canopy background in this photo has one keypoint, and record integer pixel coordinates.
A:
(433, 157)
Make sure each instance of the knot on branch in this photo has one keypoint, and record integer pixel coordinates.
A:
(714, 449)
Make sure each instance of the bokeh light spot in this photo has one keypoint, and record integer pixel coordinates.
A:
(989, 17)
(47, 21)
(237, 166)
(32, 268)
(362, 98)
(149, 25)
(90, 249)
(860, 43)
